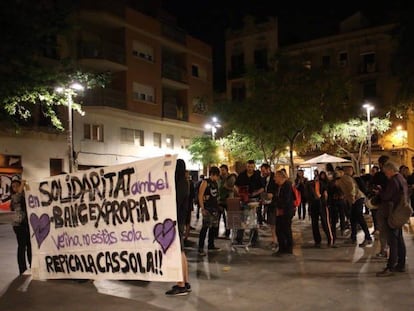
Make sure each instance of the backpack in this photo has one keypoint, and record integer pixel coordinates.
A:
(297, 196)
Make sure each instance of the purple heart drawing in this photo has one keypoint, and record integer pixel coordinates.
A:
(40, 226)
(164, 233)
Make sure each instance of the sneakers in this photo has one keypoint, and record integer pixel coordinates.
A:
(188, 287)
(177, 291)
(201, 252)
(365, 243)
(384, 273)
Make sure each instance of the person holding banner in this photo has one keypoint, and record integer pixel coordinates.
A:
(20, 223)
(182, 193)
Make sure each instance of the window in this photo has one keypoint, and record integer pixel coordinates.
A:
(157, 140)
(142, 92)
(260, 58)
(369, 89)
(368, 62)
(56, 166)
(326, 61)
(238, 92)
(194, 71)
(169, 141)
(143, 51)
(185, 142)
(237, 63)
(132, 136)
(93, 132)
(343, 59)
(198, 72)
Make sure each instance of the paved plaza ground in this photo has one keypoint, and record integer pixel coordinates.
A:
(340, 278)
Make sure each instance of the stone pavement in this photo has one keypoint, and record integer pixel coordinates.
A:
(340, 278)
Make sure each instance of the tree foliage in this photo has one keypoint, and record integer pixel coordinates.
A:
(285, 103)
(29, 31)
(348, 137)
(204, 150)
(240, 147)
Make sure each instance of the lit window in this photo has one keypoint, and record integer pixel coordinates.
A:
(142, 92)
(143, 51)
(157, 140)
(93, 132)
(169, 141)
(185, 142)
(132, 136)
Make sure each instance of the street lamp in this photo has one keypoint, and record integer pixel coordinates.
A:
(368, 107)
(69, 97)
(213, 126)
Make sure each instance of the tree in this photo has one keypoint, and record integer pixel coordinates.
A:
(285, 103)
(240, 147)
(29, 33)
(204, 150)
(348, 137)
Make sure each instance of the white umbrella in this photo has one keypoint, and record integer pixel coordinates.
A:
(325, 158)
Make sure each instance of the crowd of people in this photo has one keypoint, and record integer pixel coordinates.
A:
(336, 200)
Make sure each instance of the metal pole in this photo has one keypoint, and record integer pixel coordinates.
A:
(70, 138)
(369, 138)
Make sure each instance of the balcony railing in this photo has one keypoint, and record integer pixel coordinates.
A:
(173, 33)
(105, 97)
(174, 72)
(236, 73)
(368, 68)
(107, 51)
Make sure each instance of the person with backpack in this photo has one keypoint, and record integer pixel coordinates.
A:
(21, 224)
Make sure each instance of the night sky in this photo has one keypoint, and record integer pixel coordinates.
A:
(208, 19)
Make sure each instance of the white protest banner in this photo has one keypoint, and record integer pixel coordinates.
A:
(115, 222)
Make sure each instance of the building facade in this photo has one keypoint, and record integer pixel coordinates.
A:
(364, 54)
(156, 101)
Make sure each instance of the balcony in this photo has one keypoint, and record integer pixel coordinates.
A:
(105, 97)
(174, 72)
(236, 73)
(173, 33)
(102, 56)
(367, 68)
(174, 105)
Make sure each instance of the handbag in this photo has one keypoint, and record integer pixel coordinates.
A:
(400, 214)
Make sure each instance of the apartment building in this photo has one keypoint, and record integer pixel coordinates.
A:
(361, 51)
(364, 53)
(160, 90)
(159, 95)
(251, 46)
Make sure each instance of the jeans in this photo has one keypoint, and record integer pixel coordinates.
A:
(23, 246)
(357, 217)
(397, 248)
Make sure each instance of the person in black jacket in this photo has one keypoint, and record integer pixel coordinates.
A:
(283, 198)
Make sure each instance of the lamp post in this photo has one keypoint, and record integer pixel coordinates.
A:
(368, 107)
(69, 98)
(213, 126)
